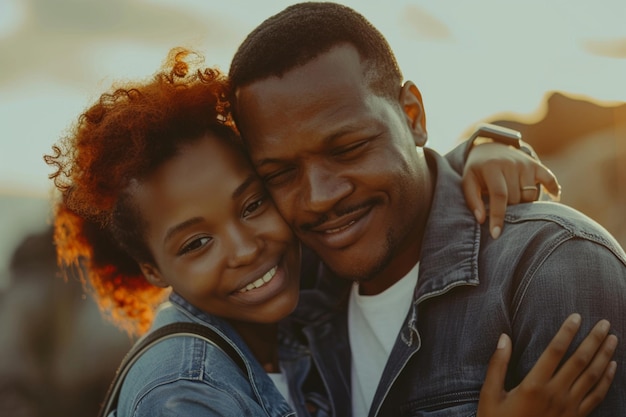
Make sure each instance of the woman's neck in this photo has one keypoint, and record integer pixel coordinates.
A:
(262, 339)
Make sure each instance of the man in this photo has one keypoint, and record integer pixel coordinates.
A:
(339, 140)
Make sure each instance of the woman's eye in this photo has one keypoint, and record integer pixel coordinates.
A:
(194, 245)
(254, 206)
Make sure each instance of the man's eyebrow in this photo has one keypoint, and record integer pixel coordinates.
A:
(180, 226)
(328, 140)
(266, 161)
(244, 186)
(345, 130)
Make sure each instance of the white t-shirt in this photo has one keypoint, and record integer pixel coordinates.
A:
(374, 322)
(280, 380)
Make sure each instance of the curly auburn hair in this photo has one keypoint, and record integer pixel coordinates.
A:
(126, 135)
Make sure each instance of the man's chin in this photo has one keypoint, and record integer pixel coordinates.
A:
(356, 269)
(361, 262)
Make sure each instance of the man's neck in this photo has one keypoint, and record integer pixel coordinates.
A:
(387, 278)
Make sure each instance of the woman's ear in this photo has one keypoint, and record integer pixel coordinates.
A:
(411, 102)
(152, 274)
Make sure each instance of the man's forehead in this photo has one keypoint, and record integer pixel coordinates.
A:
(327, 65)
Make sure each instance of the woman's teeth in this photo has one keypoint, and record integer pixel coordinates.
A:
(261, 281)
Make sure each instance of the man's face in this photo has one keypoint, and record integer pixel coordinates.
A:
(341, 163)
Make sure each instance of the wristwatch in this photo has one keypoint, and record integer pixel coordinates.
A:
(497, 134)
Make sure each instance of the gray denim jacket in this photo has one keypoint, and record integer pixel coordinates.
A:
(549, 262)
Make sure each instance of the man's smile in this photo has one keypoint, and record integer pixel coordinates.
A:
(342, 231)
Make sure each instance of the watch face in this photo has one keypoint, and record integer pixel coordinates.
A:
(499, 134)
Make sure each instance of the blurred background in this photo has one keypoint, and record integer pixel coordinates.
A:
(555, 70)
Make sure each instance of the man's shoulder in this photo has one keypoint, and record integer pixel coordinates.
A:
(558, 218)
(565, 217)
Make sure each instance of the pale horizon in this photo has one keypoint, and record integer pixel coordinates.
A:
(471, 60)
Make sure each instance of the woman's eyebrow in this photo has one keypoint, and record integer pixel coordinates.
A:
(180, 226)
(244, 185)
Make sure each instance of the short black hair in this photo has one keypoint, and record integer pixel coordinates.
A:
(302, 32)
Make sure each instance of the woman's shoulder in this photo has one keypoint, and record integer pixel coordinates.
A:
(178, 369)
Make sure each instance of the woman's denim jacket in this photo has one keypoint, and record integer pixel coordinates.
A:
(186, 376)
(549, 262)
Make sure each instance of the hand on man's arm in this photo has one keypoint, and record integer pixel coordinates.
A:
(581, 276)
(573, 390)
(508, 176)
(504, 168)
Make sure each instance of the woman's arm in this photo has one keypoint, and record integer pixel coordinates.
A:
(495, 162)
(508, 176)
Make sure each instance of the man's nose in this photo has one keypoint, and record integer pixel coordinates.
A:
(324, 188)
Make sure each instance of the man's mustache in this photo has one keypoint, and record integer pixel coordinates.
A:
(339, 212)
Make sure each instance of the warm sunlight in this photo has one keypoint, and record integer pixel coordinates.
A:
(440, 278)
(471, 60)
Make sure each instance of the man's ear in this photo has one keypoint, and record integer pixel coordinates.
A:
(411, 102)
(152, 274)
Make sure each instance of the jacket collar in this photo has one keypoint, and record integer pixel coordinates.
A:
(452, 237)
(258, 377)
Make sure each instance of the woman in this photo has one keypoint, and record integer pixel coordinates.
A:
(157, 193)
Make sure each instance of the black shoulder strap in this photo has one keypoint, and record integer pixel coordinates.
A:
(160, 334)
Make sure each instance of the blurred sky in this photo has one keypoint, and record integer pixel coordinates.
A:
(471, 59)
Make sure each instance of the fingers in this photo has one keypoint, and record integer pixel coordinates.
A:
(497, 187)
(546, 178)
(514, 191)
(533, 174)
(593, 374)
(529, 193)
(596, 396)
(502, 172)
(493, 388)
(580, 384)
(585, 355)
(472, 190)
(587, 374)
(498, 198)
(529, 189)
(552, 356)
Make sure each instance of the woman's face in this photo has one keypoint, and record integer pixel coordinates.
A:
(216, 236)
